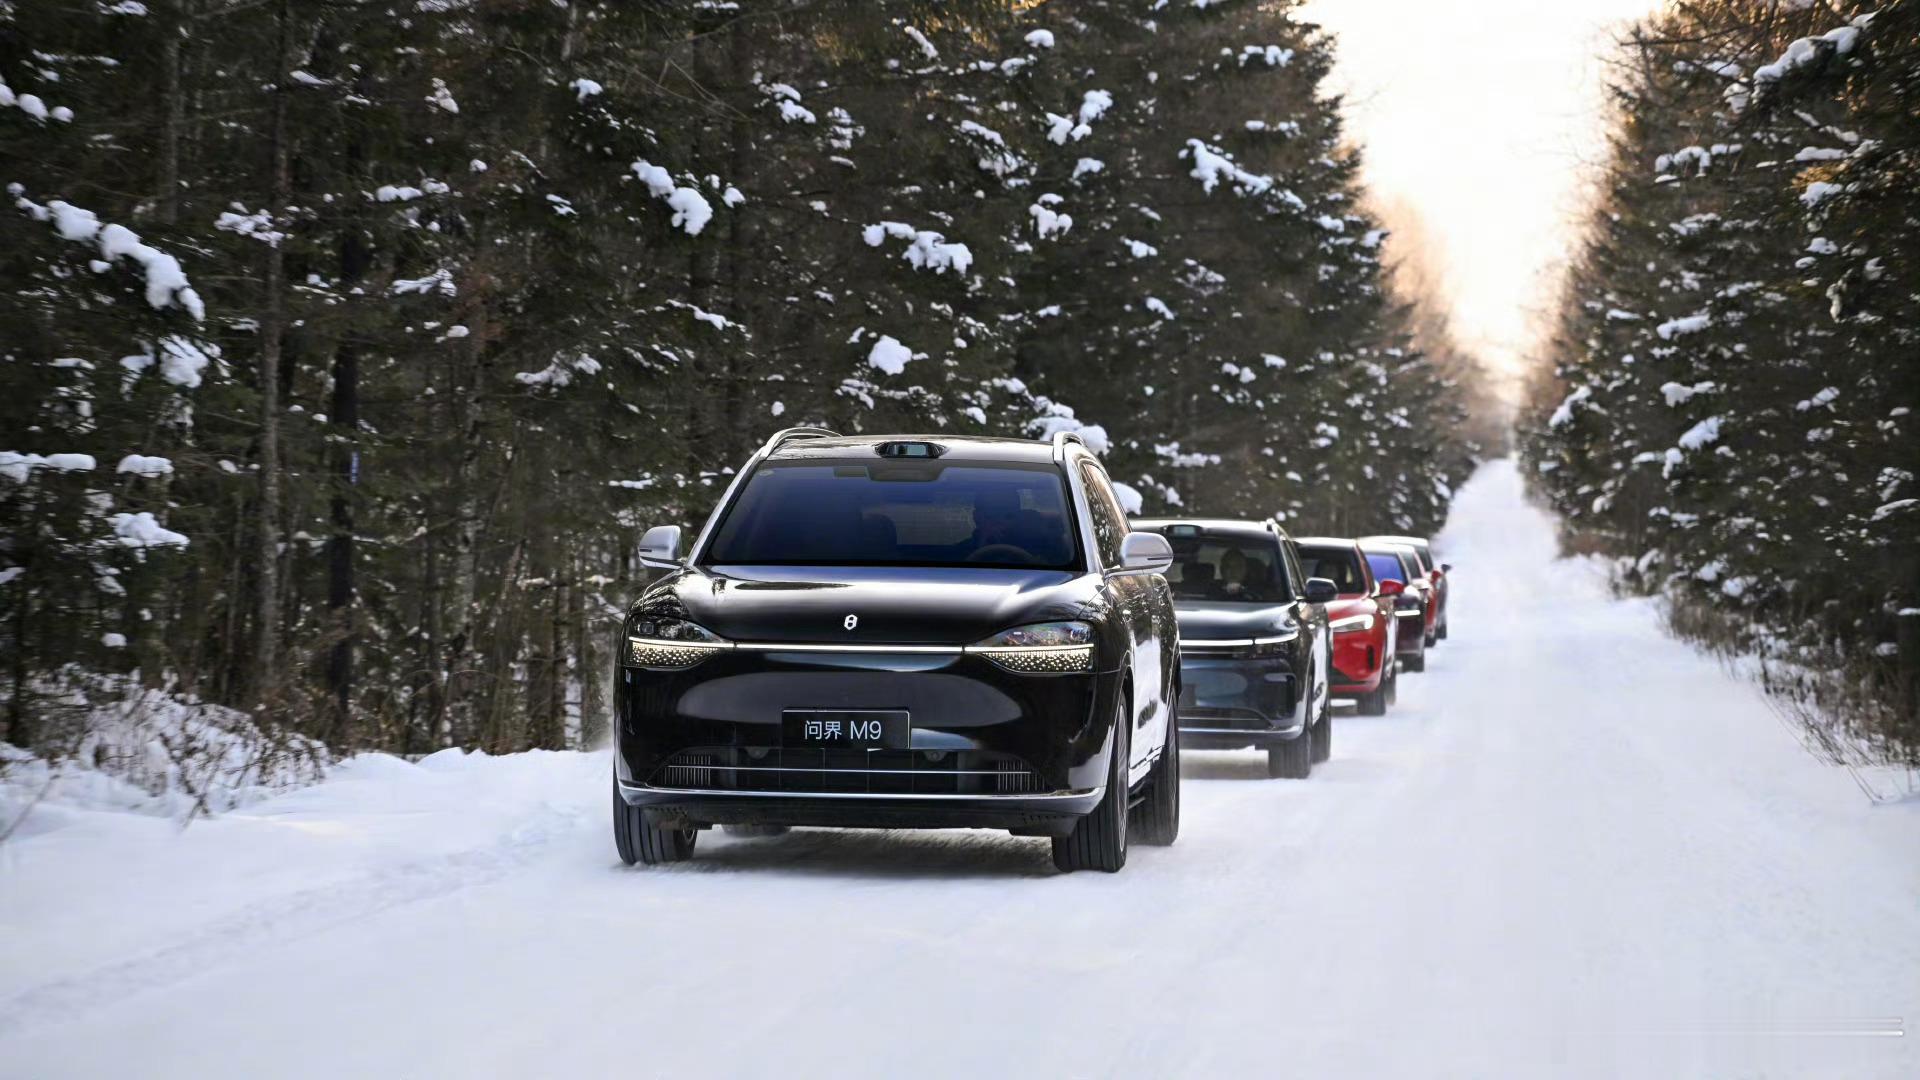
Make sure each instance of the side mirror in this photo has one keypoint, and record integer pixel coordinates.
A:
(1446, 568)
(1321, 590)
(660, 547)
(1145, 553)
(1390, 587)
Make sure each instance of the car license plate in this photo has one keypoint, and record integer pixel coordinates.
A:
(878, 729)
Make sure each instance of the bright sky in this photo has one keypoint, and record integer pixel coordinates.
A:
(1483, 119)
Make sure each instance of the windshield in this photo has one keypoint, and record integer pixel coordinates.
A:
(1386, 566)
(1337, 564)
(1243, 570)
(874, 513)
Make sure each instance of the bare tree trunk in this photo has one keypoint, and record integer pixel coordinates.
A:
(430, 645)
(174, 106)
(458, 723)
(343, 412)
(592, 717)
(272, 327)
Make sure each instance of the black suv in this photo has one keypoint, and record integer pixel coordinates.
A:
(904, 632)
(1255, 647)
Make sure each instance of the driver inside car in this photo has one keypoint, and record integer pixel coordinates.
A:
(1234, 572)
(996, 516)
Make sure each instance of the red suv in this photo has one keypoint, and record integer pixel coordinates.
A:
(1362, 620)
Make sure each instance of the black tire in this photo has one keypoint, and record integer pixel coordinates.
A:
(756, 830)
(1393, 681)
(1375, 702)
(1443, 630)
(1099, 840)
(1416, 662)
(640, 840)
(1293, 759)
(1156, 820)
(1323, 734)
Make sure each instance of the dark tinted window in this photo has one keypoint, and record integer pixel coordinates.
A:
(1241, 569)
(1339, 565)
(1109, 524)
(1422, 558)
(1386, 566)
(873, 513)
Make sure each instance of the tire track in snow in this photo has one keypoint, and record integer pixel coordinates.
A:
(285, 918)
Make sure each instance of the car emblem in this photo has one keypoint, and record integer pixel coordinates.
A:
(851, 621)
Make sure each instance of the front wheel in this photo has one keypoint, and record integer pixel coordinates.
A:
(1157, 819)
(1323, 736)
(641, 839)
(1099, 840)
(1373, 704)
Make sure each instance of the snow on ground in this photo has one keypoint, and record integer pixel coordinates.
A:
(1574, 849)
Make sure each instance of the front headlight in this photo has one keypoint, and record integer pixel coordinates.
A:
(670, 643)
(1353, 624)
(1041, 648)
(1276, 644)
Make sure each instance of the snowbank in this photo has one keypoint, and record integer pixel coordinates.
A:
(128, 748)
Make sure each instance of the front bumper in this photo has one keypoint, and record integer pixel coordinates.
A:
(1359, 661)
(988, 747)
(1228, 702)
(1047, 813)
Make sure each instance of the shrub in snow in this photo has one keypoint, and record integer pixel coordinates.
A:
(111, 744)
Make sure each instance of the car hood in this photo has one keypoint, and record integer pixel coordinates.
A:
(1203, 620)
(888, 605)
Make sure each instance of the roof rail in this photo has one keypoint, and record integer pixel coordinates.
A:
(1062, 438)
(786, 435)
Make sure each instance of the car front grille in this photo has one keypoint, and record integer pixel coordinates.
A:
(842, 771)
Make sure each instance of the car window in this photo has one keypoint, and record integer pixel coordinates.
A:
(1412, 564)
(1337, 564)
(867, 513)
(1386, 566)
(1109, 524)
(1238, 569)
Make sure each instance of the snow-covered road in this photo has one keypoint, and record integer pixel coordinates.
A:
(1575, 848)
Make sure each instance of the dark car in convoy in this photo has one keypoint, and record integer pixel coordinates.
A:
(1436, 573)
(1397, 562)
(904, 631)
(1254, 648)
(1365, 633)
